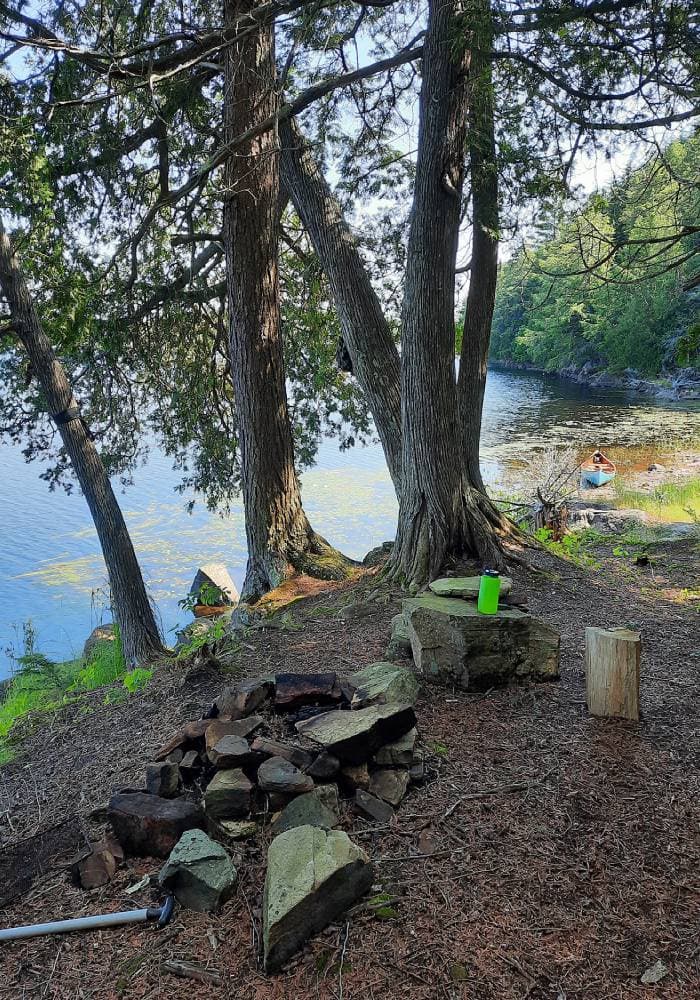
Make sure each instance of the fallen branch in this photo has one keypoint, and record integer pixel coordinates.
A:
(188, 970)
(521, 786)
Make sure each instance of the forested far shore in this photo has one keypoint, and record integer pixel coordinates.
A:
(614, 284)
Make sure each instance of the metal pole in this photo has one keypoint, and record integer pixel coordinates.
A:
(160, 913)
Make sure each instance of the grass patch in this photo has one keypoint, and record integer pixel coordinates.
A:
(41, 685)
(669, 501)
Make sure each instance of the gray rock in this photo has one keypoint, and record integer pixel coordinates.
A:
(274, 748)
(305, 810)
(466, 587)
(324, 767)
(655, 973)
(242, 700)
(280, 775)
(228, 795)
(230, 751)
(389, 785)
(373, 807)
(454, 645)
(400, 753)
(148, 825)
(233, 830)
(101, 635)
(215, 575)
(399, 647)
(354, 737)
(199, 872)
(313, 875)
(244, 727)
(386, 683)
(328, 794)
(163, 779)
(378, 555)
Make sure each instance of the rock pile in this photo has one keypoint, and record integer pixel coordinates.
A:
(300, 753)
(451, 643)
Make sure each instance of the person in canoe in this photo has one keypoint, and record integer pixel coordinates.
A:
(597, 470)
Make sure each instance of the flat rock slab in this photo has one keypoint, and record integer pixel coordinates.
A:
(228, 795)
(313, 876)
(150, 826)
(274, 748)
(389, 785)
(190, 737)
(454, 645)
(198, 872)
(354, 737)
(305, 810)
(281, 776)
(466, 587)
(233, 830)
(386, 683)
(231, 751)
(293, 690)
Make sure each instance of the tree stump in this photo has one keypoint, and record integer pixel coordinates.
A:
(612, 672)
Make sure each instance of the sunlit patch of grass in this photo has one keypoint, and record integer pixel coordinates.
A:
(40, 685)
(669, 501)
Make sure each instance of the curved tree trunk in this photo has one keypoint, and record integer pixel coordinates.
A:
(366, 332)
(484, 269)
(278, 532)
(441, 512)
(132, 610)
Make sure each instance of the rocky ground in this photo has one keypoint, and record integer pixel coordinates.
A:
(549, 855)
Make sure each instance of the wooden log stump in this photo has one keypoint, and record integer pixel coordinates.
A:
(612, 672)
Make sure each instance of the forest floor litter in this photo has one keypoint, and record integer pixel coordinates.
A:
(548, 855)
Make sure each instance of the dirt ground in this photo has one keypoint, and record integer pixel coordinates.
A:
(550, 854)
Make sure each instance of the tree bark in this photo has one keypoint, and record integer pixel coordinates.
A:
(484, 268)
(440, 511)
(132, 610)
(278, 533)
(366, 332)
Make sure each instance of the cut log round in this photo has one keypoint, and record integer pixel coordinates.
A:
(612, 672)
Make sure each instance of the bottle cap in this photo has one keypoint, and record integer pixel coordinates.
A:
(490, 572)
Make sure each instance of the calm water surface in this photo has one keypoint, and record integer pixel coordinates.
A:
(51, 570)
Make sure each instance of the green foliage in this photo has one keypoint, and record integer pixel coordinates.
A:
(218, 633)
(208, 595)
(574, 546)
(137, 679)
(606, 285)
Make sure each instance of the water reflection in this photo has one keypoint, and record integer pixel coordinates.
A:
(50, 562)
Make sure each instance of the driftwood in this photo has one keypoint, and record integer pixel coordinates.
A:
(188, 970)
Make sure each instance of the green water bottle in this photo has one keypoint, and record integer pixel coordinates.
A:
(489, 589)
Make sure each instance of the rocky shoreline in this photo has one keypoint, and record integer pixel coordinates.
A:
(681, 384)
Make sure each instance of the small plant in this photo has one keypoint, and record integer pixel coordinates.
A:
(208, 595)
(137, 679)
(217, 632)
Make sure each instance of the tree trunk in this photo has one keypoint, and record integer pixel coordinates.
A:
(612, 672)
(366, 332)
(484, 269)
(440, 511)
(132, 610)
(278, 533)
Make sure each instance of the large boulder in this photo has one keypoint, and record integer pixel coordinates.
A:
(149, 825)
(466, 587)
(455, 645)
(384, 682)
(313, 876)
(215, 575)
(198, 872)
(353, 737)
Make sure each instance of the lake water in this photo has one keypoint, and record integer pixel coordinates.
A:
(51, 569)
